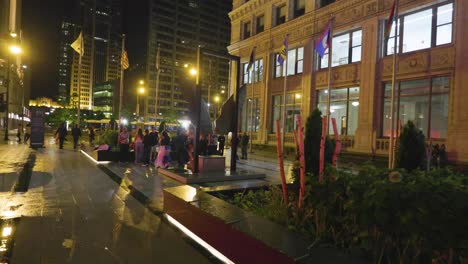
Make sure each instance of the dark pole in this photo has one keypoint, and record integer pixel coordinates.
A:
(198, 110)
(7, 99)
(235, 140)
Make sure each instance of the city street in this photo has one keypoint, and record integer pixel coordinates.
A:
(72, 212)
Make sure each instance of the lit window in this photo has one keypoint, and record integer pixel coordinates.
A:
(295, 62)
(424, 29)
(346, 49)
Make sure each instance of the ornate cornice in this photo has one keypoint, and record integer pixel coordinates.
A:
(347, 13)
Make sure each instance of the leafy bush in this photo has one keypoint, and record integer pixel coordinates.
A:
(411, 148)
(396, 216)
(109, 137)
(313, 134)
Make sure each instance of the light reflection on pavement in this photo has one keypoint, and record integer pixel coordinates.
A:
(73, 212)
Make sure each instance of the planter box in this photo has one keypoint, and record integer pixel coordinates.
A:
(104, 155)
(211, 163)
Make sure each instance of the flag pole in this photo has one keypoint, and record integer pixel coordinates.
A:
(252, 105)
(158, 71)
(79, 86)
(330, 49)
(284, 96)
(391, 149)
(121, 80)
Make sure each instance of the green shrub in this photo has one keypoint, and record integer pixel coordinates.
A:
(399, 216)
(109, 137)
(411, 148)
(313, 134)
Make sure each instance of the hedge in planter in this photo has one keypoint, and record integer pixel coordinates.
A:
(388, 217)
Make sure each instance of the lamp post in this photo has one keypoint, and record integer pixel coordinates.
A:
(216, 99)
(141, 90)
(15, 50)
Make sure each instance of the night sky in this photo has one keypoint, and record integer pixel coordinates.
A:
(41, 23)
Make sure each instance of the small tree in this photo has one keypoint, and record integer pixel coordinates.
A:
(411, 148)
(313, 134)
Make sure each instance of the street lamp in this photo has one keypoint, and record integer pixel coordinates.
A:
(15, 50)
(217, 99)
(141, 90)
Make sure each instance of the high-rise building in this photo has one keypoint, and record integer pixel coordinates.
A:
(100, 22)
(65, 59)
(177, 27)
(430, 78)
(14, 94)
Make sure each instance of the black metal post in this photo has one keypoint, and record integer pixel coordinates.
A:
(7, 95)
(235, 140)
(198, 102)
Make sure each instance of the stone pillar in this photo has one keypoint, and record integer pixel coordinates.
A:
(457, 139)
(368, 88)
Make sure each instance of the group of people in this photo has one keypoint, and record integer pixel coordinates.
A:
(62, 132)
(27, 133)
(151, 147)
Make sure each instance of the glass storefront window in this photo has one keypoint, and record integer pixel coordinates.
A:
(344, 107)
(251, 120)
(293, 109)
(424, 102)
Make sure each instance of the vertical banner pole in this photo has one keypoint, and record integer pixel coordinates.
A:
(281, 162)
(300, 134)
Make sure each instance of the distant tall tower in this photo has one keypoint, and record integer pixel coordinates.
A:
(65, 56)
(177, 27)
(100, 21)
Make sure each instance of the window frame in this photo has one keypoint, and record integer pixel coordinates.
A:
(283, 69)
(398, 96)
(257, 19)
(434, 27)
(347, 102)
(279, 20)
(298, 11)
(351, 47)
(246, 25)
(254, 75)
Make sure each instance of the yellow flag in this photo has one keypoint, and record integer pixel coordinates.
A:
(78, 44)
(124, 60)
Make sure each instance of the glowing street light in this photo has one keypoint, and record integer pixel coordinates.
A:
(216, 99)
(142, 82)
(193, 72)
(14, 49)
(141, 90)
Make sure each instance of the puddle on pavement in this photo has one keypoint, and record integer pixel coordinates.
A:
(25, 176)
(7, 237)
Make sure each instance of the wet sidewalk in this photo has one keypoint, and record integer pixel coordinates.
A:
(13, 157)
(73, 212)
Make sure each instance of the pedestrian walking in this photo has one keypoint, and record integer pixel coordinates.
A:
(244, 145)
(163, 158)
(18, 133)
(221, 142)
(139, 146)
(76, 134)
(123, 140)
(27, 134)
(147, 144)
(61, 134)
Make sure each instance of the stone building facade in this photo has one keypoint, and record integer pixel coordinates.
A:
(431, 73)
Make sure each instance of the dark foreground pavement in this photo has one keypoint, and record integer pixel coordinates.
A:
(72, 212)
